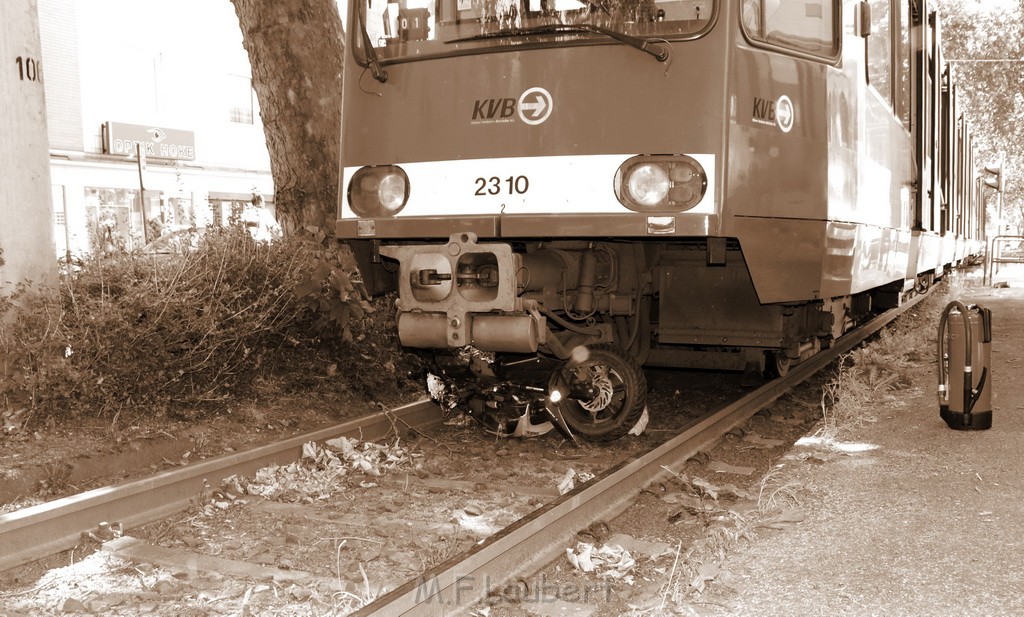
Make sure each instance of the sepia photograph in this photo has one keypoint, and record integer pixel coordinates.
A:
(508, 308)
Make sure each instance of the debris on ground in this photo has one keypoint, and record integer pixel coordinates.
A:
(608, 561)
(641, 424)
(783, 519)
(568, 481)
(315, 476)
(374, 459)
(650, 548)
(753, 440)
(702, 488)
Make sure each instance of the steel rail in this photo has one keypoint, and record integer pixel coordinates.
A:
(38, 531)
(524, 547)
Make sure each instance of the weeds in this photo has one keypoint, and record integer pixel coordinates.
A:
(846, 402)
(345, 600)
(883, 366)
(56, 478)
(776, 493)
(440, 551)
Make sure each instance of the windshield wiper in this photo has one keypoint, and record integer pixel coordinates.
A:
(370, 51)
(659, 52)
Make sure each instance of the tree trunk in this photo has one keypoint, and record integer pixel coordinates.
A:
(295, 48)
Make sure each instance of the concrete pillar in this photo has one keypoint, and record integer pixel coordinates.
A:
(26, 211)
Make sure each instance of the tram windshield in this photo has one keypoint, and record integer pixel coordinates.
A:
(406, 29)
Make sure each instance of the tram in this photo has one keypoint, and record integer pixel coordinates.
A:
(564, 191)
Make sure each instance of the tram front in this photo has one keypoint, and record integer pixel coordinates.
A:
(518, 164)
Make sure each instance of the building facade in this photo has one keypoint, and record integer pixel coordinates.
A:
(153, 122)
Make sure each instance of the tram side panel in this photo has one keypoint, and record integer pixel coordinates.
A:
(777, 171)
(821, 208)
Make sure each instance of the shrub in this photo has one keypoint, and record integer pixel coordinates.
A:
(138, 332)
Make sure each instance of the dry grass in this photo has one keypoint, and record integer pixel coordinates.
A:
(778, 493)
(880, 368)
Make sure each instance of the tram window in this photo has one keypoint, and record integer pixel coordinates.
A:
(803, 25)
(902, 63)
(880, 49)
(429, 28)
(392, 22)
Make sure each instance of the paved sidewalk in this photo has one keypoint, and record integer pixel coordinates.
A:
(928, 522)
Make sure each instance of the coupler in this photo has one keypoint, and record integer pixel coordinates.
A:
(965, 384)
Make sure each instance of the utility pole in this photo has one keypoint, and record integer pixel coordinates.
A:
(140, 150)
(27, 250)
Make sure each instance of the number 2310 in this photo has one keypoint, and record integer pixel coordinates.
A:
(512, 185)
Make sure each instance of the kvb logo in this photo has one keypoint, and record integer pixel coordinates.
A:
(780, 113)
(493, 110)
(533, 107)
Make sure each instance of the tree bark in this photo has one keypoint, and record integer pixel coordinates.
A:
(295, 48)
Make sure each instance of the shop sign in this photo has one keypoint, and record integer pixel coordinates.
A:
(159, 142)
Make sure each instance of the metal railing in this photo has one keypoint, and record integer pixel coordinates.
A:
(996, 255)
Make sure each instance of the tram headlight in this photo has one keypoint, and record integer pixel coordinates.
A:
(672, 183)
(379, 191)
(648, 184)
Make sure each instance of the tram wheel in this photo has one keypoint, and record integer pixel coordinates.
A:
(776, 364)
(615, 393)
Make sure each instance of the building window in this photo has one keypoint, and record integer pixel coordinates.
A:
(241, 99)
(115, 219)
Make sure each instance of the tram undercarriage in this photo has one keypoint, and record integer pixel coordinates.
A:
(536, 335)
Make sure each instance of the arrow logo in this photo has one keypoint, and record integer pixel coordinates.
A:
(535, 106)
(785, 113)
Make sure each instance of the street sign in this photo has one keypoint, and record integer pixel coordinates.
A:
(158, 142)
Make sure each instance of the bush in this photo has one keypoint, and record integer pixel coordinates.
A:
(138, 332)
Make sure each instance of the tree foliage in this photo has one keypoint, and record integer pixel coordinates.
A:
(984, 41)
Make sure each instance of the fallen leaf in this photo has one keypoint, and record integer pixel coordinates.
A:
(720, 467)
(566, 484)
(761, 442)
(783, 519)
(72, 605)
(732, 489)
(675, 497)
(706, 487)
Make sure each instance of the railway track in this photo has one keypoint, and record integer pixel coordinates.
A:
(45, 529)
(530, 543)
(519, 550)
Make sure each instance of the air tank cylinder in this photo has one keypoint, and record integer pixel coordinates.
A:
(965, 384)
